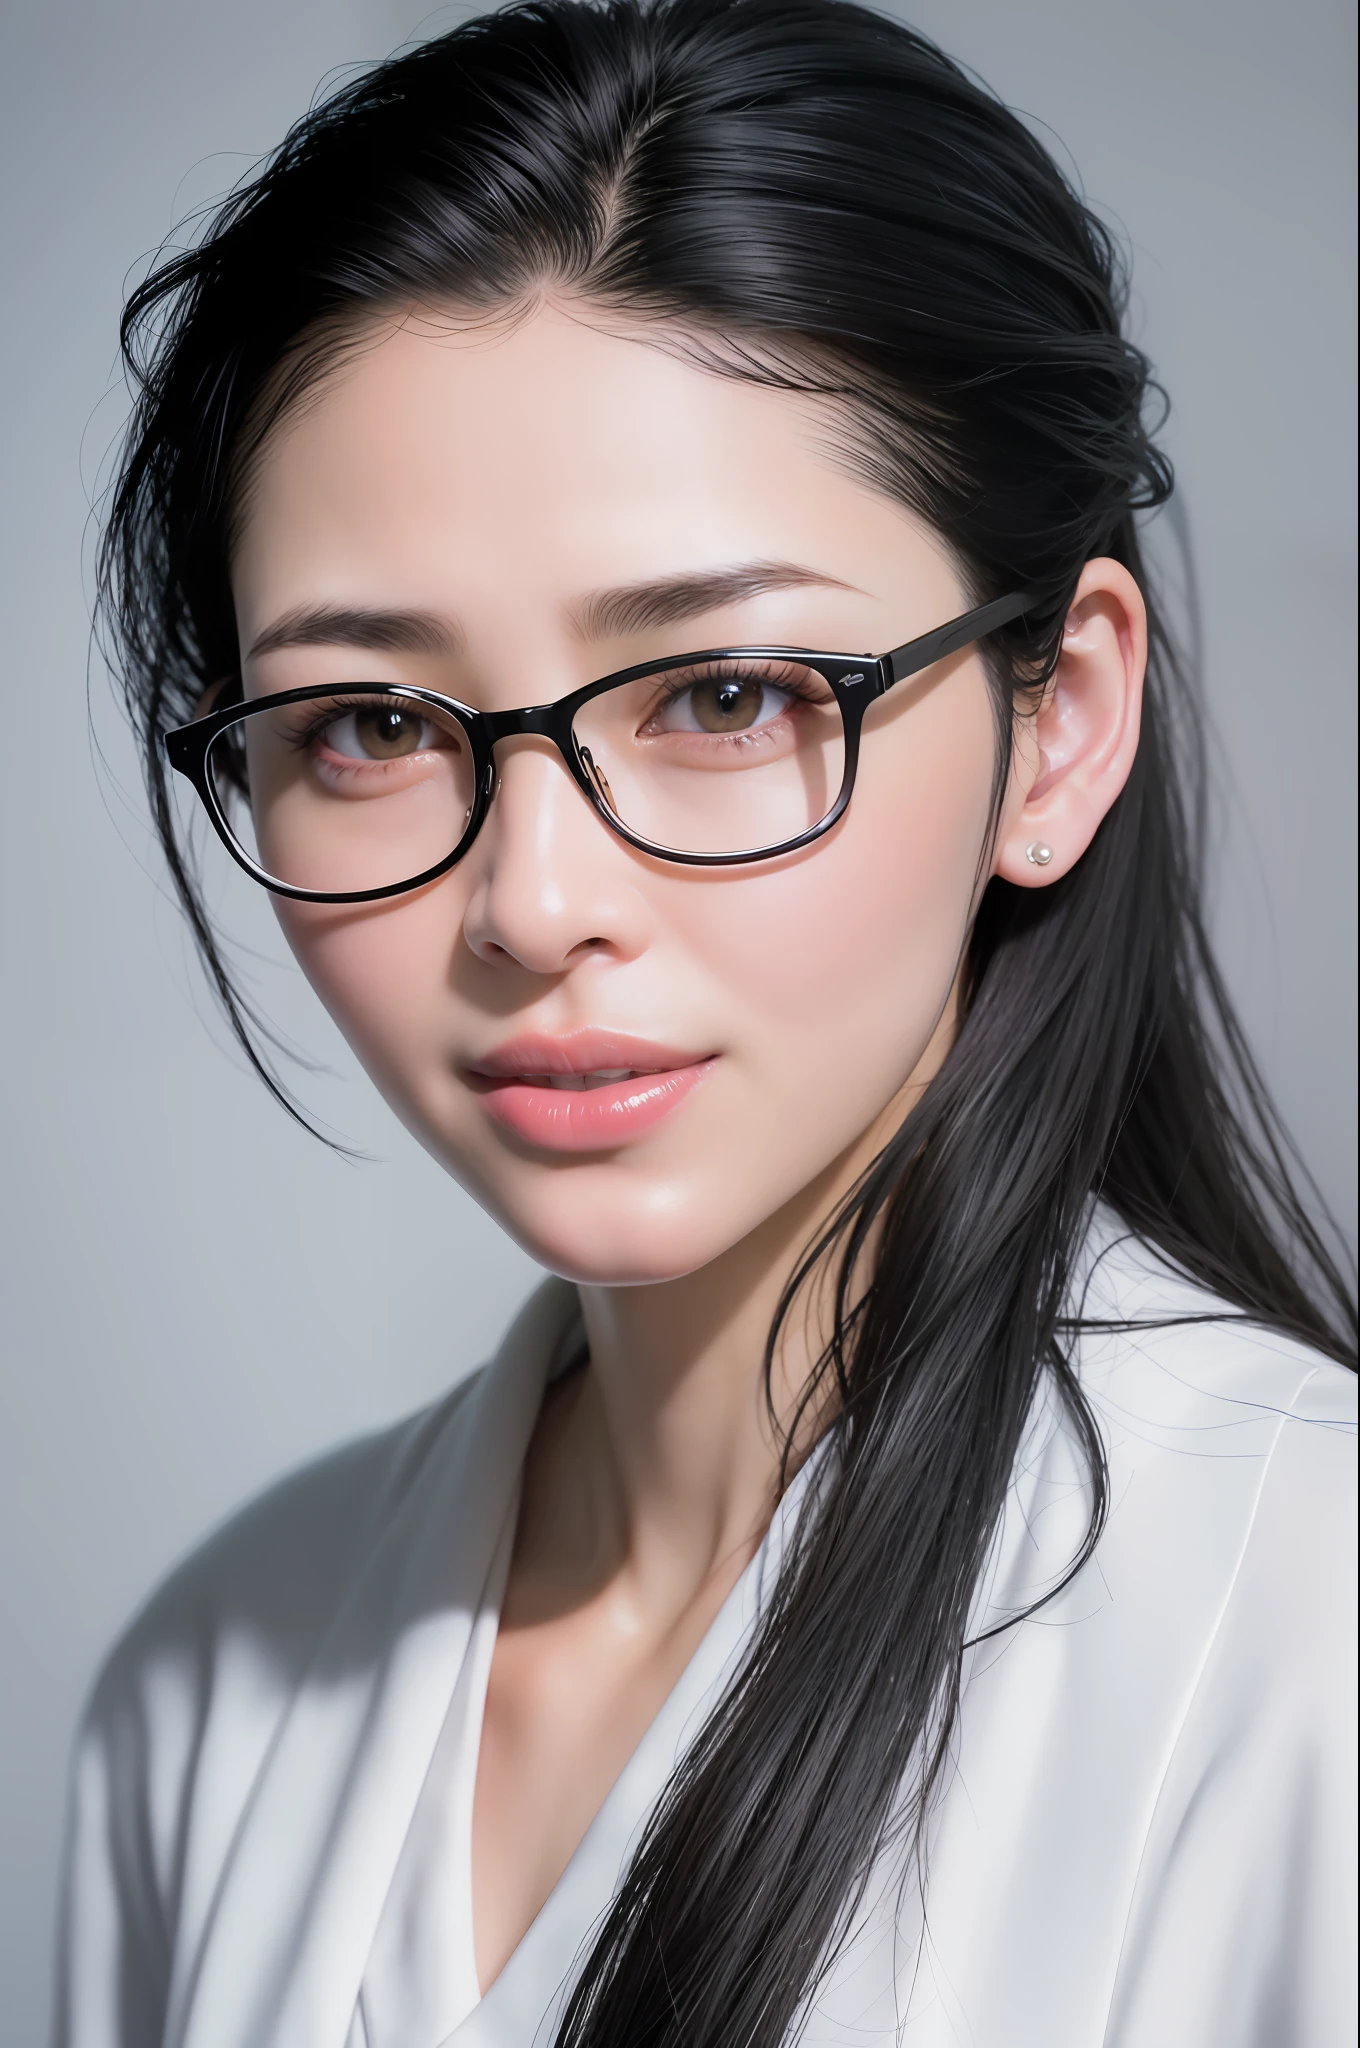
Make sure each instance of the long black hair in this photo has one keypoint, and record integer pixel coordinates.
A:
(813, 195)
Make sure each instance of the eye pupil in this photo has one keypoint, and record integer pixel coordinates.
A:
(386, 732)
(728, 703)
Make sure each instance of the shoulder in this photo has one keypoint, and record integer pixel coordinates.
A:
(188, 1704)
(1232, 1532)
(300, 1597)
(1159, 1350)
(272, 1575)
(1232, 1448)
(269, 1577)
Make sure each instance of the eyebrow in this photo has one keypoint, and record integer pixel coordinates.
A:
(634, 607)
(605, 614)
(326, 625)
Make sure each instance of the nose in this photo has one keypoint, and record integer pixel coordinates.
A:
(551, 883)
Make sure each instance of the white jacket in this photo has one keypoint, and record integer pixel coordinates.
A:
(1147, 1841)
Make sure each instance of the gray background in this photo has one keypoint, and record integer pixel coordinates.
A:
(194, 1294)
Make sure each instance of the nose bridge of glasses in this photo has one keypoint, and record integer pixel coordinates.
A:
(536, 721)
(542, 720)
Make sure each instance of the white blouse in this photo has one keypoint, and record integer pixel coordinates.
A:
(1147, 1840)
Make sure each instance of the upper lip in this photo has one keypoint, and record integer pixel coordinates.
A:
(579, 1052)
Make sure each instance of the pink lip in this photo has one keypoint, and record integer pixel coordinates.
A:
(512, 1083)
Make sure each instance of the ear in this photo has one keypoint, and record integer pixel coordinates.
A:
(1073, 755)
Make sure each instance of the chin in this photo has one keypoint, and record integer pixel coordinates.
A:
(587, 1269)
(618, 1252)
(610, 1236)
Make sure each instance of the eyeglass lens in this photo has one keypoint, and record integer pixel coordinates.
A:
(345, 793)
(727, 757)
(365, 790)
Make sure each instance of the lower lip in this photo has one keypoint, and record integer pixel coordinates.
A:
(588, 1119)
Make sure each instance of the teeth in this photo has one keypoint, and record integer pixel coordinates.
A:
(578, 1083)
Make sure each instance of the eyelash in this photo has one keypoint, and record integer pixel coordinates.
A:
(727, 672)
(335, 708)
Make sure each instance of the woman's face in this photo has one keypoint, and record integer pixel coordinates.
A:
(472, 501)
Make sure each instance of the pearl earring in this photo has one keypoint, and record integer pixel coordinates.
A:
(1037, 854)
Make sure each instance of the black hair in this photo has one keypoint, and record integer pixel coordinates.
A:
(815, 195)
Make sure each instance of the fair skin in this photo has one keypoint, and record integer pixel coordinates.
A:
(494, 480)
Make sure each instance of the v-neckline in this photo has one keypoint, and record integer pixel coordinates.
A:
(476, 1722)
(530, 1990)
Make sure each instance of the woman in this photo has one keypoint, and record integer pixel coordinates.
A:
(630, 528)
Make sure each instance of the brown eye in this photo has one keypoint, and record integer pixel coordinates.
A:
(379, 732)
(727, 703)
(720, 704)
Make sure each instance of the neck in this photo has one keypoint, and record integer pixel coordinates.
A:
(675, 1406)
(665, 1460)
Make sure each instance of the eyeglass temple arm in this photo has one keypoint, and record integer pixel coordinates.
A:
(910, 659)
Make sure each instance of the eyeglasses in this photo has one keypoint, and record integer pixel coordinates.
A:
(715, 759)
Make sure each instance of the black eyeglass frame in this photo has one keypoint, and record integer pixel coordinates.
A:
(856, 681)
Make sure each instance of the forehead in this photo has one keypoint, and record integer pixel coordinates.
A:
(575, 453)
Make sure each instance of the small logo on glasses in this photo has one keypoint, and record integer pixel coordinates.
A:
(849, 682)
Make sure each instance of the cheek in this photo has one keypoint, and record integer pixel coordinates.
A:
(382, 970)
(848, 955)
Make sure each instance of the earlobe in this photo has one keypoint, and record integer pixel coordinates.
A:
(1074, 756)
